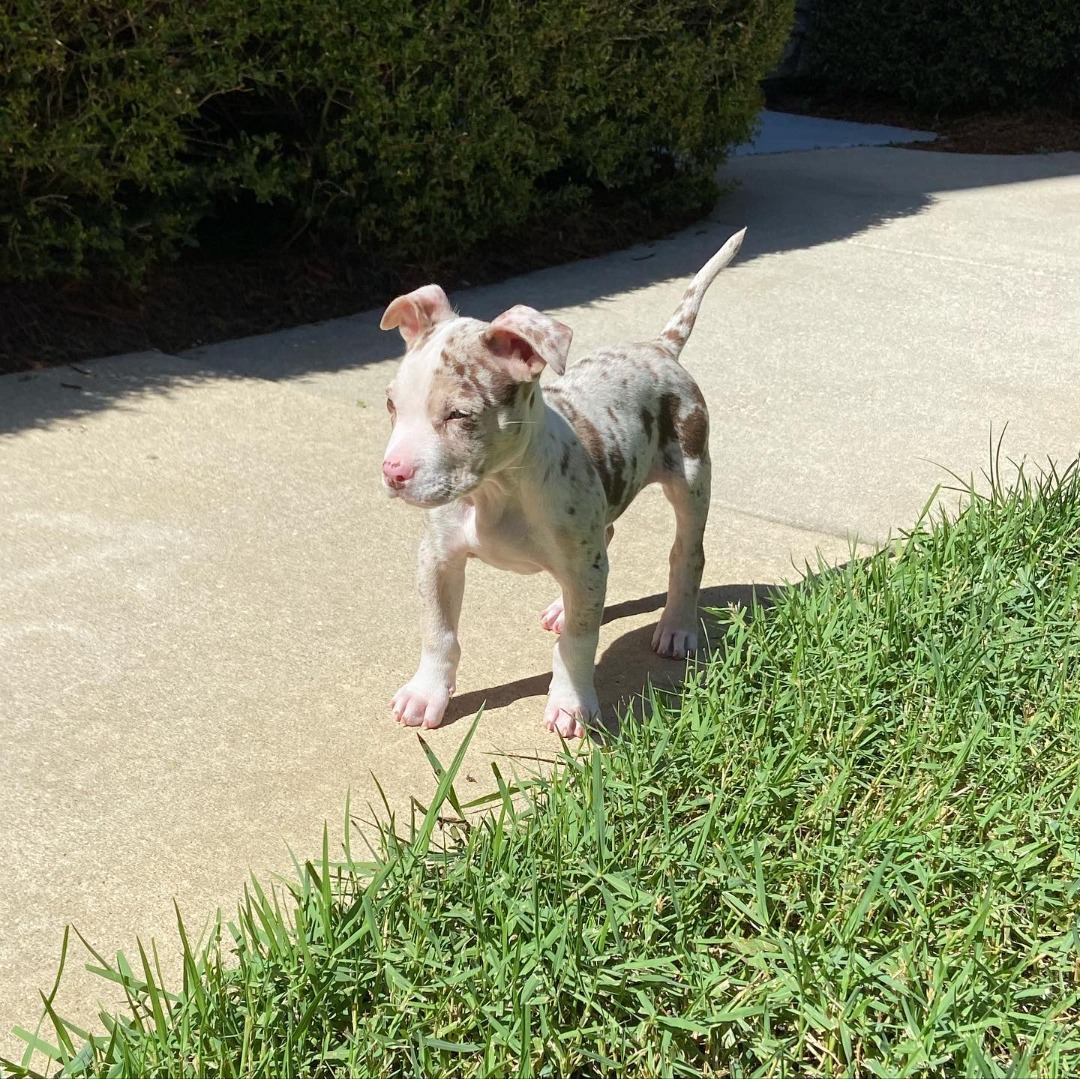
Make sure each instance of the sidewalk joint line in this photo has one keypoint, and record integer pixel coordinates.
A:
(847, 537)
(1057, 276)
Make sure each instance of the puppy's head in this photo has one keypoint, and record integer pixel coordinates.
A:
(462, 401)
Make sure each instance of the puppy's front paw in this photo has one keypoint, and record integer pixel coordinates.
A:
(554, 618)
(419, 705)
(567, 714)
(673, 641)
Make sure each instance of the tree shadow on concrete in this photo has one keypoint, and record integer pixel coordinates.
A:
(628, 665)
(789, 201)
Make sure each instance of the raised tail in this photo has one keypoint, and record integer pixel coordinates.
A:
(681, 323)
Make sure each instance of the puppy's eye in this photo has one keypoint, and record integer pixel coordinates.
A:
(459, 415)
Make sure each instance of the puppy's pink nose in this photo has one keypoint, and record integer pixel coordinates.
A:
(397, 474)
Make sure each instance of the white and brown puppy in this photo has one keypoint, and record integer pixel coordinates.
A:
(529, 480)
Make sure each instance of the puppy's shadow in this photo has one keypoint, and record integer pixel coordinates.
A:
(628, 664)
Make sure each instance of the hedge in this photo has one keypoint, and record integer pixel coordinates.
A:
(950, 55)
(418, 127)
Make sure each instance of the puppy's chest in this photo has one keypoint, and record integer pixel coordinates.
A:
(507, 542)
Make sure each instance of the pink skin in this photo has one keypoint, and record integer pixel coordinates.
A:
(568, 710)
(397, 474)
(554, 617)
(667, 642)
(674, 643)
(417, 708)
(567, 723)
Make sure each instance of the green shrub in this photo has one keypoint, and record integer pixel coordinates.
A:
(950, 55)
(419, 128)
(102, 129)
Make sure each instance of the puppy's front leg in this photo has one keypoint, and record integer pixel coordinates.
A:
(441, 579)
(572, 700)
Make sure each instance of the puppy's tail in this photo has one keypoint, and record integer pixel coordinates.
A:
(681, 323)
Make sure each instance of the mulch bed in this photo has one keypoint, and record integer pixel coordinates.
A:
(1034, 131)
(199, 299)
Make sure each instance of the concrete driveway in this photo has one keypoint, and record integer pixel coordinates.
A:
(206, 603)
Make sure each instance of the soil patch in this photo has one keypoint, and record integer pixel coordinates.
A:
(1031, 131)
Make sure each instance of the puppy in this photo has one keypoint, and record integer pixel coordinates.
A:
(528, 479)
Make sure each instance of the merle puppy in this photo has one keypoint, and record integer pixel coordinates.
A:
(529, 479)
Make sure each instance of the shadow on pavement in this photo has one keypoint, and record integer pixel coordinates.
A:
(790, 201)
(626, 666)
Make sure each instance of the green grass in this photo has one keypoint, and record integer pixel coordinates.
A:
(852, 846)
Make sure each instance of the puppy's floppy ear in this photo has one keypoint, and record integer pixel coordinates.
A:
(526, 340)
(416, 312)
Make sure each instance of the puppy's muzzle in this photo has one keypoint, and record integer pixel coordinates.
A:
(396, 473)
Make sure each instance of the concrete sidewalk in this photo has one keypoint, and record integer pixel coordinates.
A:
(206, 602)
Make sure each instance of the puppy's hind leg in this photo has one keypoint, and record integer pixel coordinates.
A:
(688, 492)
(553, 616)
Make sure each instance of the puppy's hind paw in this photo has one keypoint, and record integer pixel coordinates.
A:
(554, 618)
(674, 642)
(568, 716)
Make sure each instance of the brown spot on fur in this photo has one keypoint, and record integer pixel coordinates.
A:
(491, 387)
(589, 437)
(647, 421)
(499, 386)
(568, 411)
(505, 391)
(694, 432)
(609, 462)
(475, 385)
(615, 488)
(667, 427)
(475, 372)
(667, 420)
(447, 393)
(594, 447)
(420, 340)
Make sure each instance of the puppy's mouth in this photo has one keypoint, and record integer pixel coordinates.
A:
(428, 500)
(425, 503)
